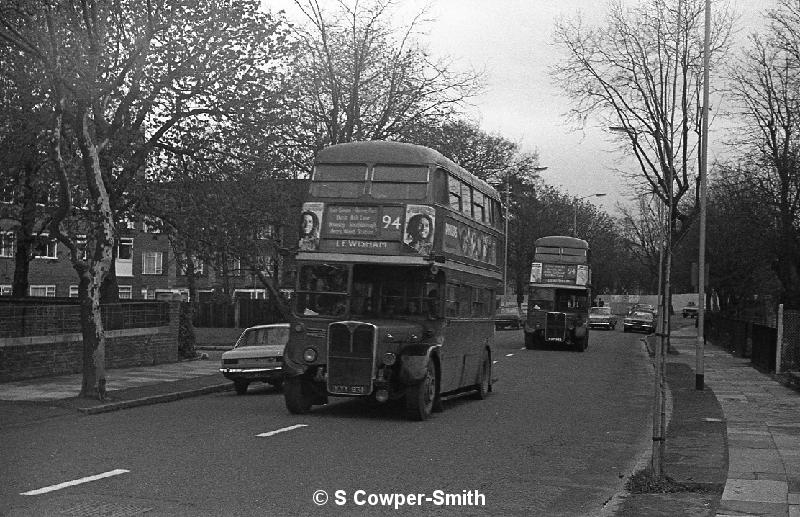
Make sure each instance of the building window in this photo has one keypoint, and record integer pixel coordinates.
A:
(43, 290)
(198, 266)
(73, 291)
(125, 292)
(152, 263)
(5, 290)
(125, 248)
(7, 244)
(45, 247)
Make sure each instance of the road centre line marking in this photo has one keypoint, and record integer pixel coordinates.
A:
(53, 488)
(283, 430)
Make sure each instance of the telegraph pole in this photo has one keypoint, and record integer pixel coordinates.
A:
(699, 375)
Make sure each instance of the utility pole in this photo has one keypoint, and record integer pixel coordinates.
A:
(699, 374)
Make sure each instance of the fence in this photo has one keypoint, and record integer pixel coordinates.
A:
(758, 341)
(46, 317)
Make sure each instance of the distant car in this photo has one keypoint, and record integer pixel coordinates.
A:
(690, 311)
(508, 318)
(256, 356)
(640, 321)
(602, 317)
(642, 307)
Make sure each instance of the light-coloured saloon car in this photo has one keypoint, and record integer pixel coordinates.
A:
(257, 356)
(602, 317)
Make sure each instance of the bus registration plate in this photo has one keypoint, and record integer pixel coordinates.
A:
(349, 389)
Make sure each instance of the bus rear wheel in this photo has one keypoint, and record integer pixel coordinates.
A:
(420, 397)
(296, 394)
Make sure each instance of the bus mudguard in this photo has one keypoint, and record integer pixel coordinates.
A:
(414, 363)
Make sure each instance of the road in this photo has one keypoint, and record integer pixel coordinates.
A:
(554, 438)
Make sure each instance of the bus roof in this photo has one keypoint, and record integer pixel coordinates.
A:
(561, 241)
(379, 151)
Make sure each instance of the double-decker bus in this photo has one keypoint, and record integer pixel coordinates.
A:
(398, 266)
(559, 294)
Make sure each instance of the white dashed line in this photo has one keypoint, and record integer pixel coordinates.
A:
(53, 488)
(494, 362)
(509, 355)
(283, 430)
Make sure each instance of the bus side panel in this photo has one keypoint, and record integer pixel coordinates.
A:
(462, 351)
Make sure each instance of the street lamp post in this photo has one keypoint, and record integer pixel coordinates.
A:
(575, 211)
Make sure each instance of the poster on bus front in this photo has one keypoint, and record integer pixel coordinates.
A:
(420, 223)
(310, 222)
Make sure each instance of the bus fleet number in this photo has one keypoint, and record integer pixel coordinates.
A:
(387, 222)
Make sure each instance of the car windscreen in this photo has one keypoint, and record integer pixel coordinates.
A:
(264, 337)
(603, 311)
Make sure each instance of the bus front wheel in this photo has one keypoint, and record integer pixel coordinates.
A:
(296, 394)
(420, 397)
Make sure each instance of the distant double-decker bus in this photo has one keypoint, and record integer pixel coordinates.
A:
(559, 294)
(398, 265)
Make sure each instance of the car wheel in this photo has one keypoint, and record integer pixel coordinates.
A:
(421, 396)
(296, 395)
(277, 384)
(240, 387)
(485, 377)
(625, 329)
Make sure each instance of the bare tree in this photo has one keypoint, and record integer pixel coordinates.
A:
(362, 79)
(641, 72)
(121, 77)
(766, 84)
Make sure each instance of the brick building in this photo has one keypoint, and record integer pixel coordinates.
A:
(148, 268)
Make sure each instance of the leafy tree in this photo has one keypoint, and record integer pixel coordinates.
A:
(122, 77)
(766, 84)
(25, 173)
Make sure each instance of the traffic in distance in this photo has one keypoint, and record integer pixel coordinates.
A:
(399, 266)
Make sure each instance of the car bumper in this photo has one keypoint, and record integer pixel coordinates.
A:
(250, 374)
(640, 328)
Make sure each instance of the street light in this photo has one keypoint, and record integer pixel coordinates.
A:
(575, 211)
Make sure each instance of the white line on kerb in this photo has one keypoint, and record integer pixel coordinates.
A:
(291, 427)
(53, 488)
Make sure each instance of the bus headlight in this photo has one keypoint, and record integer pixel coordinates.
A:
(389, 358)
(309, 355)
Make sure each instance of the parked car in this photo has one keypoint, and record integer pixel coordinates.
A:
(602, 317)
(640, 321)
(256, 356)
(690, 311)
(508, 317)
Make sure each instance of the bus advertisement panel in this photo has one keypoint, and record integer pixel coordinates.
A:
(396, 280)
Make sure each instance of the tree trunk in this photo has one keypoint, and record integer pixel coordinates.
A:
(94, 341)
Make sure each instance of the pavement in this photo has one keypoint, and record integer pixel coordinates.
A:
(731, 449)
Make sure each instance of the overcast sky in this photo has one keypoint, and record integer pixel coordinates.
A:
(511, 41)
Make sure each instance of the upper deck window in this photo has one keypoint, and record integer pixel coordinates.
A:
(340, 180)
(399, 182)
(455, 193)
